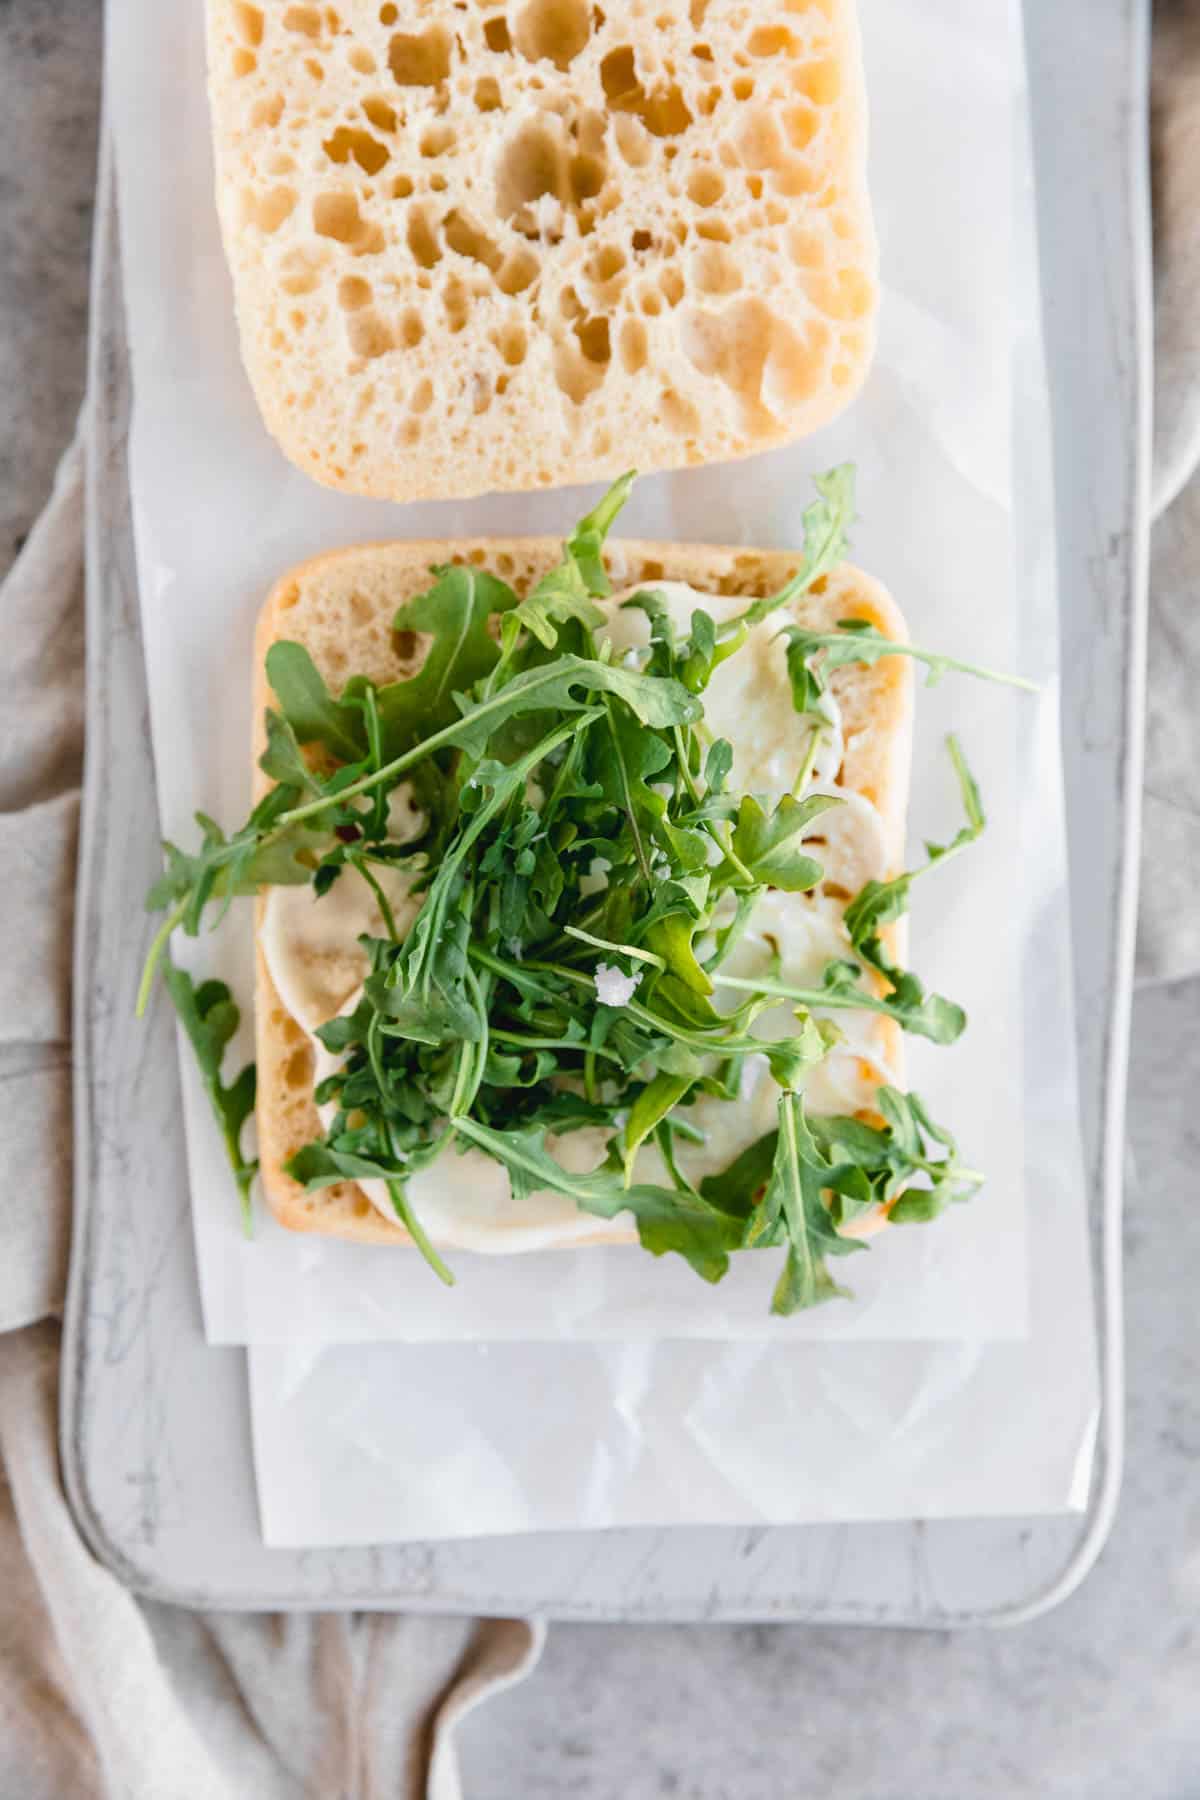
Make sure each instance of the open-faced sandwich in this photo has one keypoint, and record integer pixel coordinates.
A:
(580, 896)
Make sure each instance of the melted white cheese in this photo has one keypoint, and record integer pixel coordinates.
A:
(749, 698)
(804, 934)
(465, 1201)
(311, 944)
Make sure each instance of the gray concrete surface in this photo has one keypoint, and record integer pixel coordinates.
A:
(1101, 1701)
(49, 112)
(1098, 1701)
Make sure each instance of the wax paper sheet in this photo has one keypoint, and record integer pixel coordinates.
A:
(965, 548)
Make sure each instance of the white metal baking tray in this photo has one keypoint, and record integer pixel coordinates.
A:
(155, 1434)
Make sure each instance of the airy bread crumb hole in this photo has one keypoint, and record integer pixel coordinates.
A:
(663, 112)
(337, 216)
(421, 239)
(422, 60)
(269, 210)
(512, 345)
(267, 111)
(353, 293)
(593, 339)
(346, 142)
(304, 19)
(632, 344)
(770, 40)
(705, 186)
(249, 23)
(379, 114)
(553, 30)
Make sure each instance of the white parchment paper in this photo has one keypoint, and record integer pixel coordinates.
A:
(219, 514)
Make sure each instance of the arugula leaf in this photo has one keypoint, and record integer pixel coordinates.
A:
(627, 759)
(652, 1105)
(568, 592)
(881, 902)
(766, 845)
(892, 1166)
(794, 1201)
(210, 1017)
(561, 686)
(740, 1186)
(557, 598)
(924, 1015)
(318, 1166)
(858, 641)
(673, 939)
(586, 543)
(454, 613)
(314, 716)
(282, 759)
(827, 523)
(666, 1220)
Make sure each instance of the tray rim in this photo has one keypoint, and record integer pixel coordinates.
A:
(1096, 1521)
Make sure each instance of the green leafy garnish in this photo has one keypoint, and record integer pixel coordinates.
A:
(586, 867)
(880, 902)
(813, 655)
(210, 1017)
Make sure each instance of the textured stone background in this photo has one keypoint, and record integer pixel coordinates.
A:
(1097, 1702)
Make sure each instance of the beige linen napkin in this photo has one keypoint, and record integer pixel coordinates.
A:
(1169, 932)
(101, 1695)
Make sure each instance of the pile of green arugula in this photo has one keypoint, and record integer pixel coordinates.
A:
(537, 759)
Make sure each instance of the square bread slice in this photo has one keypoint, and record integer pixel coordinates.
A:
(481, 247)
(340, 606)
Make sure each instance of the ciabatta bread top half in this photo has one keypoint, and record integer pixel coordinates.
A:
(482, 248)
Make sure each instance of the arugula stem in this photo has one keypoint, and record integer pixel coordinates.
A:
(695, 1040)
(938, 665)
(806, 767)
(416, 1232)
(664, 1137)
(634, 827)
(630, 950)
(569, 763)
(374, 1051)
(591, 1087)
(436, 741)
(384, 904)
(731, 937)
(682, 759)
(725, 846)
(779, 990)
(464, 1102)
(522, 1042)
(157, 946)
(817, 561)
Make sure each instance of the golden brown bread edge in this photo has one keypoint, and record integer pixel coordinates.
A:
(340, 606)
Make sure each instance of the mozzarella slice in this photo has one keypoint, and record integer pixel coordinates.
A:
(464, 1202)
(311, 943)
(749, 698)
